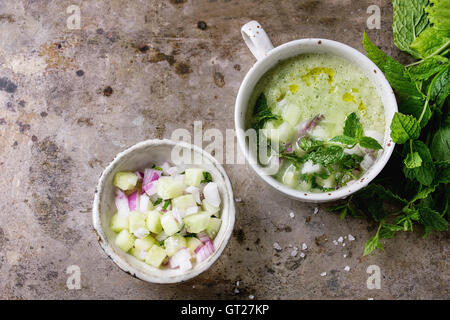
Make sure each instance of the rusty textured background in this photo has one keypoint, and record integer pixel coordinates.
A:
(71, 99)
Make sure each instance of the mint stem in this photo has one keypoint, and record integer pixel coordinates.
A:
(431, 55)
(423, 110)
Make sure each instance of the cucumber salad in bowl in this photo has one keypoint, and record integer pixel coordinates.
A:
(166, 217)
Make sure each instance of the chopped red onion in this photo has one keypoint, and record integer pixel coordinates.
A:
(140, 175)
(181, 259)
(133, 201)
(151, 176)
(121, 201)
(177, 214)
(195, 192)
(144, 201)
(205, 251)
(211, 193)
(203, 237)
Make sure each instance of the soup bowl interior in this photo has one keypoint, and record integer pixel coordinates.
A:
(309, 46)
(144, 155)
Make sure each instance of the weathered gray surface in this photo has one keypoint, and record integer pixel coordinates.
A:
(58, 131)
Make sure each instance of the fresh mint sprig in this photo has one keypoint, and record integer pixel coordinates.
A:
(416, 179)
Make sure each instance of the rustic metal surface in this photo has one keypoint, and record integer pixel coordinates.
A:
(72, 99)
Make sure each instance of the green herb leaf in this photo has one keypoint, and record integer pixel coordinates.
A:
(158, 201)
(206, 177)
(400, 79)
(429, 41)
(308, 143)
(369, 143)
(439, 14)
(326, 155)
(440, 145)
(346, 140)
(166, 204)
(442, 172)
(432, 219)
(387, 230)
(375, 54)
(426, 172)
(440, 86)
(372, 244)
(423, 193)
(352, 127)
(409, 20)
(404, 127)
(377, 192)
(156, 167)
(262, 112)
(427, 68)
(413, 160)
(350, 162)
(414, 106)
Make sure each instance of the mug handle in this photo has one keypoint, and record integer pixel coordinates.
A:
(256, 39)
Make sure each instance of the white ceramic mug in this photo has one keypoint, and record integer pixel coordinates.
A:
(267, 57)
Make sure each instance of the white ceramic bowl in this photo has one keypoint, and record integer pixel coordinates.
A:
(268, 56)
(143, 155)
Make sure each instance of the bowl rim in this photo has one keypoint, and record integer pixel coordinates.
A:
(330, 45)
(124, 265)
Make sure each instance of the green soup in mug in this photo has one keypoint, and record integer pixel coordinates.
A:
(302, 106)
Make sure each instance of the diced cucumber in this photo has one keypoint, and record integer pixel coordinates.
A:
(291, 114)
(154, 221)
(329, 182)
(119, 223)
(283, 132)
(193, 176)
(290, 176)
(144, 243)
(125, 180)
(169, 187)
(125, 240)
(138, 253)
(304, 185)
(169, 224)
(209, 207)
(184, 202)
(286, 132)
(193, 243)
(136, 221)
(155, 256)
(174, 243)
(198, 222)
(213, 227)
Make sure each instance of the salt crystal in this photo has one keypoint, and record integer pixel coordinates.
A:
(370, 299)
(347, 268)
(294, 252)
(302, 255)
(316, 210)
(292, 215)
(238, 200)
(236, 290)
(340, 239)
(251, 297)
(345, 256)
(237, 283)
(323, 274)
(335, 242)
(277, 246)
(350, 237)
(304, 246)
(343, 244)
